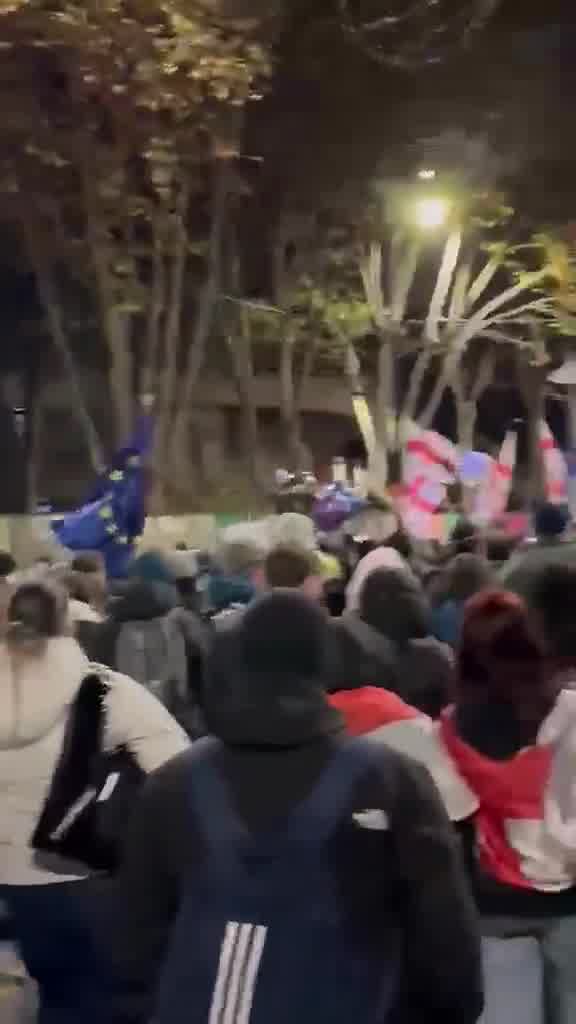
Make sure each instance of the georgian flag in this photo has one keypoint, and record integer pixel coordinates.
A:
(430, 463)
(555, 468)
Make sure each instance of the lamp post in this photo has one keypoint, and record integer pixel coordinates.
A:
(565, 375)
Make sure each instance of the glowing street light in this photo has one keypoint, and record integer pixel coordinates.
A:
(431, 213)
(427, 174)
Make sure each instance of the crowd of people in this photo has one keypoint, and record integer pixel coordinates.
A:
(326, 780)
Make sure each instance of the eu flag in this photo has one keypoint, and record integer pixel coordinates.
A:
(114, 515)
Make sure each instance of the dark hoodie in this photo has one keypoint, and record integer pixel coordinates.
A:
(268, 707)
(386, 643)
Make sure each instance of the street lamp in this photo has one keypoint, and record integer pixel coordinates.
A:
(427, 174)
(431, 212)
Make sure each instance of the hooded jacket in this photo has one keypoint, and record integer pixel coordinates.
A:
(383, 639)
(520, 573)
(36, 695)
(419, 671)
(278, 733)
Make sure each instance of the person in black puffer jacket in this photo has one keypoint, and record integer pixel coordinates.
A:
(386, 642)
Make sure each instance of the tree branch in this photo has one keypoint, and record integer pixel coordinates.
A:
(443, 284)
(371, 271)
(443, 381)
(417, 378)
(457, 306)
(155, 311)
(481, 283)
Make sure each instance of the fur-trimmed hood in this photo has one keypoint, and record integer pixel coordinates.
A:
(35, 692)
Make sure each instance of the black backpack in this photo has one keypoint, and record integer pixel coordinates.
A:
(92, 792)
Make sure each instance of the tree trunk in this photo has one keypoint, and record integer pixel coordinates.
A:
(207, 302)
(55, 321)
(386, 412)
(417, 377)
(157, 305)
(240, 349)
(172, 270)
(208, 297)
(116, 324)
(466, 416)
(446, 373)
(289, 413)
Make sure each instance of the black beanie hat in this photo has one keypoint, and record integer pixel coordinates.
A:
(285, 633)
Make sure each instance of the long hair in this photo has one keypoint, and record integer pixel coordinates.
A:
(503, 656)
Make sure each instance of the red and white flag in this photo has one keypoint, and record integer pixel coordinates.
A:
(555, 468)
(418, 506)
(430, 455)
(493, 495)
(430, 462)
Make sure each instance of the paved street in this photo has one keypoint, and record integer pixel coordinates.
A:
(16, 999)
(15, 1007)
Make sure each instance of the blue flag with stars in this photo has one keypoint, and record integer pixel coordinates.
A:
(114, 515)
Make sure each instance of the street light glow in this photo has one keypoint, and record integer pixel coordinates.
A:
(427, 174)
(431, 213)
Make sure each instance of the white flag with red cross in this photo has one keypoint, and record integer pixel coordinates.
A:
(555, 468)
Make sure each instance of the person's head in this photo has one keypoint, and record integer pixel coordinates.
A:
(292, 568)
(499, 547)
(465, 538)
(7, 564)
(87, 587)
(89, 562)
(503, 656)
(401, 543)
(284, 633)
(392, 601)
(240, 558)
(238, 575)
(293, 530)
(378, 558)
(266, 685)
(550, 522)
(37, 612)
(151, 567)
(466, 575)
(87, 581)
(553, 597)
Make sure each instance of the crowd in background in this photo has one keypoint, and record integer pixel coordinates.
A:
(457, 819)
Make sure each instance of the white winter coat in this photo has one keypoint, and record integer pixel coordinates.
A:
(35, 698)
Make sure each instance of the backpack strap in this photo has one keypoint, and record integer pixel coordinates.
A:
(313, 821)
(82, 742)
